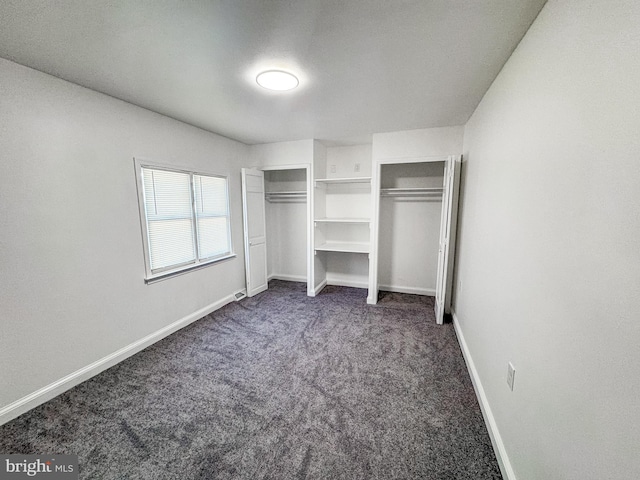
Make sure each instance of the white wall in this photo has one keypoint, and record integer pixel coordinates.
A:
(281, 153)
(72, 269)
(548, 255)
(287, 240)
(418, 143)
(344, 160)
(409, 230)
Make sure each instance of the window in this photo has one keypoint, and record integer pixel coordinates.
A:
(185, 219)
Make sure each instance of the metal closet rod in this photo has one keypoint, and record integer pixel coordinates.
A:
(422, 191)
(285, 196)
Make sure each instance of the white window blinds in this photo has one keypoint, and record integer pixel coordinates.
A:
(212, 213)
(167, 203)
(187, 218)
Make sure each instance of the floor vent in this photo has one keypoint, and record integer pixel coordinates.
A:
(240, 295)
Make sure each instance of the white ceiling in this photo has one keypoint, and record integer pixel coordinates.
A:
(365, 66)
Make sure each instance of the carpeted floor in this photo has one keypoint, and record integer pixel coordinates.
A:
(278, 386)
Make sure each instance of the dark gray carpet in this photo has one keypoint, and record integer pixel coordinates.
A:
(279, 386)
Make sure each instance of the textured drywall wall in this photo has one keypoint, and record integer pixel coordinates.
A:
(72, 265)
(548, 267)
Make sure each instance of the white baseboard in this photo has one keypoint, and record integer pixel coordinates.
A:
(494, 434)
(287, 278)
(319, 288)
(431, 292)
(387, 288)
(24, 404)
(346, 283)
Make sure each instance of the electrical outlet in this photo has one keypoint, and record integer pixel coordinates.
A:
(356, 168)
(511, 375)
(333, 168)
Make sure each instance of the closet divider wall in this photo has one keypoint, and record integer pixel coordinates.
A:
(319, 209)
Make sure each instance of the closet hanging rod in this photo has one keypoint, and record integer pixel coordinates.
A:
(410, 191)
(411, 194)
(285, 196)
(301, 193)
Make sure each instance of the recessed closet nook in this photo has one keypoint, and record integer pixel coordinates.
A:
(339, 215)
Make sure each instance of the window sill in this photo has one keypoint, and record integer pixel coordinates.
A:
(182, 270)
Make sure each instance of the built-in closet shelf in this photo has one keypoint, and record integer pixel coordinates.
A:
(343, 180)
(420, 191)
(289, 195)
(342, 220)
(349, 247)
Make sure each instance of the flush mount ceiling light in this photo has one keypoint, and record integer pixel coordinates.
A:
(277, 80)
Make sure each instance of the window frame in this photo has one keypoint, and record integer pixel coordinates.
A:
(155, 275)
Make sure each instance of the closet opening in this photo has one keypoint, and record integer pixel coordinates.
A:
(287, 221)
(409, 236)
(416, 206)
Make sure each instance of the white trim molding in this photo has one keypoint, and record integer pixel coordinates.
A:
(430, 292)
(494, 434)
(319, 287)
(341, 282)
(44, 394)
(287, 278)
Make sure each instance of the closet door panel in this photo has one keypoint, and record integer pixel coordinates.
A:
(255, 238)
(444, 255)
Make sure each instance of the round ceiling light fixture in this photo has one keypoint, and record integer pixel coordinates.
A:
(277, 80)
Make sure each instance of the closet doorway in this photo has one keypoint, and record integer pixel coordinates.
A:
(287, 211)
(415, 205)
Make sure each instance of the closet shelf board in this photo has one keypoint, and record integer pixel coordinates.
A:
(342, 220)
(351, 247)
(289, 192)
(344, 180)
